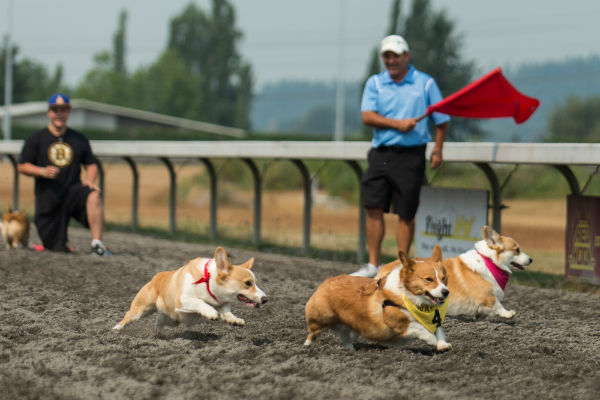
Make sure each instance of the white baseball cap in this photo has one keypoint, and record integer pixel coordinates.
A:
(395, 44)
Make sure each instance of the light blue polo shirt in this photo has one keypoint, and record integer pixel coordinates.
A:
(407, 99)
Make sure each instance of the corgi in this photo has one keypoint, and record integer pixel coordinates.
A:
(203, 286)
(15, 229)
(477, 278)
(407, 302)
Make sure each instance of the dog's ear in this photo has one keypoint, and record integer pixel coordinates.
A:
(436, 254)
(248, 264)
(222, 261)
(445, 273)
(491, 237)
(406, 262)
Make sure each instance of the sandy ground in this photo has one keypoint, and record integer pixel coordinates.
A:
(57, 310)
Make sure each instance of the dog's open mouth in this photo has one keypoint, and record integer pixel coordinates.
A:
(246, 300)
(434, 299)
(517, 266)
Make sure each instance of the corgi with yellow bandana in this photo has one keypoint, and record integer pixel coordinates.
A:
(407, 300)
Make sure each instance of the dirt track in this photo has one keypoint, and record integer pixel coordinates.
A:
(56, 340)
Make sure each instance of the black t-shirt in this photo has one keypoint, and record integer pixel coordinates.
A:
(69, 152)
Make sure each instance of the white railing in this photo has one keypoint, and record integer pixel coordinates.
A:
(562, 156)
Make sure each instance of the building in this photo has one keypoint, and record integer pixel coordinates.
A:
(86, 114)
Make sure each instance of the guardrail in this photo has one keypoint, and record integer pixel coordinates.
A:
(561, 156)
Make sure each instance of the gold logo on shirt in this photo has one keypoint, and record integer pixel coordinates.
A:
(60, 154)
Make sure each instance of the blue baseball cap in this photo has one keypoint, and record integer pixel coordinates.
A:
(58, 99)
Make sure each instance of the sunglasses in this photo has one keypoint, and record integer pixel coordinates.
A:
(56, 109)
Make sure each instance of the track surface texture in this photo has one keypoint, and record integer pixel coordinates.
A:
(56, 342)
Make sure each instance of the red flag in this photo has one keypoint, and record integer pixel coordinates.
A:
(491, 96)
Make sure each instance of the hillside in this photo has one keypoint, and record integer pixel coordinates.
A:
(310, 106)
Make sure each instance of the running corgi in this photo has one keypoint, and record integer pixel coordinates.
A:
(478, 277)
(204, 286)
(407, 301)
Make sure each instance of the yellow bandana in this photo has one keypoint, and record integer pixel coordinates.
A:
(431, 317)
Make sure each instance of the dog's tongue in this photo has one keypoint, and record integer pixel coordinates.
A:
(517, 266)
(246, 300)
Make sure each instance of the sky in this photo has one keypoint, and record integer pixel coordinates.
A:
(315, 40)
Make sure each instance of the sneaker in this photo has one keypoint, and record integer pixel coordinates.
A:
(101, 250)
(40, 247)
(367, 270)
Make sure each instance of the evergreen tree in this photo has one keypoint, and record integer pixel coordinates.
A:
(119, 45)
(107, 81)
(208, 47)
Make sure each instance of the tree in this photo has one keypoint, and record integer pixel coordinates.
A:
(577, 121)
(200, 74)
(108, 81)
(207, 46)
(119, 45)
(435, 49)
(31, 79)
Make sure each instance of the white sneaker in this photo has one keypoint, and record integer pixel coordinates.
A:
(367, 270)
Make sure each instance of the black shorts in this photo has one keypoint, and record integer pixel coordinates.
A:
(393, 179)
(52, 226)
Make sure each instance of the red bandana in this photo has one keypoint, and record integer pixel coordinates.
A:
(500, 275)
(206, 279)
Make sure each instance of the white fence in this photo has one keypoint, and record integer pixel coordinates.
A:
(561, 156)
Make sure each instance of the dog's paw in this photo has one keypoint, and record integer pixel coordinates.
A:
(233, 320)
(117, 327)
(507, 313)
(443, 346)
(210, 314)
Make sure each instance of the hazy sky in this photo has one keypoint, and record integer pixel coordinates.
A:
(300, 39)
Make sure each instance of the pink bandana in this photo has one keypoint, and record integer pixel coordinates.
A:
(500, 275)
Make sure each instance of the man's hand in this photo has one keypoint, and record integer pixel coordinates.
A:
(405, 125)
(50, 172)
(436, 159)
(92, 185)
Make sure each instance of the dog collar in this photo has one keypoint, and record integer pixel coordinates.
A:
(206, 279)
(431, 317)
(499, 275)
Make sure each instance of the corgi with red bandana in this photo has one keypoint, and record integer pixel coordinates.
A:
(204, 286)
(407, 301)
(477, 278)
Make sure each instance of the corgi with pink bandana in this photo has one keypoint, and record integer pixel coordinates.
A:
(477, 278)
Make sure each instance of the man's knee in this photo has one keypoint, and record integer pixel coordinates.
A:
(375, 213)
(94, 200)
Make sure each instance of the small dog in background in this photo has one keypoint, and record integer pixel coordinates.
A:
(15, 229)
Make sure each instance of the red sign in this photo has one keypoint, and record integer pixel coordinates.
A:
(582, 255)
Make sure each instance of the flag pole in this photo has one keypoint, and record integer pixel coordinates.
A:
(422, 116)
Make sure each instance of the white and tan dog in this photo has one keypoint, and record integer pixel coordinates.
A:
(204, 286)
(15, 229)
(407, 302)
(478, 277)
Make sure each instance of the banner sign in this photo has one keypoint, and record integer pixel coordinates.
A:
(582, 254)
(451, 218)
